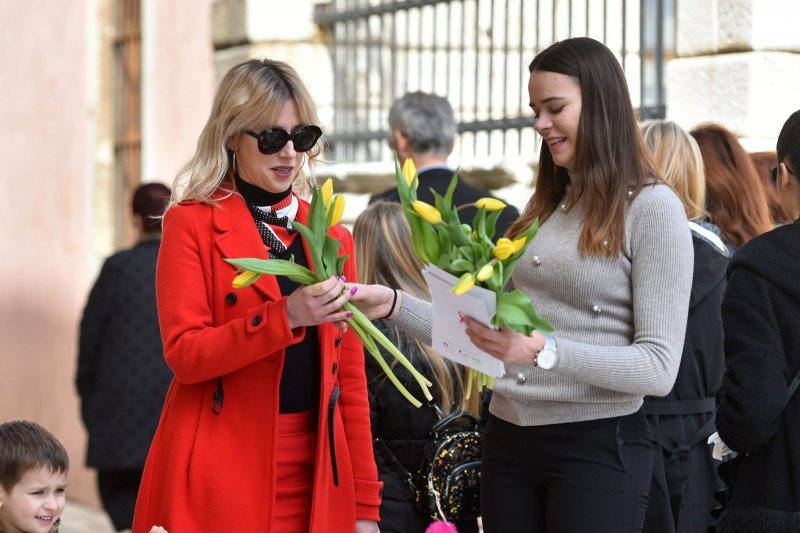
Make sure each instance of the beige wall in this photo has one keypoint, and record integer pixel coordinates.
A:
(55, 150)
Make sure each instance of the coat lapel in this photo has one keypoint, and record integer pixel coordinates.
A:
(237, 237)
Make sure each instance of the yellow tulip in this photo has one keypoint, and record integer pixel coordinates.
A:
(429, 213)
(338, 209)
(327, 192)
(519, 243)
(485, 272)
(465, 283)
(490, 204)
(245, 278)
(503, 249)
(409, 171)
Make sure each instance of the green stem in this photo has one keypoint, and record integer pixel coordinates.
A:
(376, 353)
(391, 348)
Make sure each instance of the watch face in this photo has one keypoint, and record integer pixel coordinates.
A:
(546, 359)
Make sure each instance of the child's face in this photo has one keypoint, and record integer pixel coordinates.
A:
(35, 503)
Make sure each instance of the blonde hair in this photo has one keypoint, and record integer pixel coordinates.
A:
(384, 256)
(680, 163)
(250, 94)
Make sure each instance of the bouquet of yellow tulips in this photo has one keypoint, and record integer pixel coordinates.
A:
(468, 252)
(326, 211)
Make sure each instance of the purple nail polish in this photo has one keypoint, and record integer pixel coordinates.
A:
(460, 318)
(349, 314)
(344, 278)
(353, 290)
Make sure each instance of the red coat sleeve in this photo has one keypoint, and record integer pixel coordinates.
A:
(195, 347)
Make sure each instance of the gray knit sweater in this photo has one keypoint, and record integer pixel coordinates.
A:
(620, 321)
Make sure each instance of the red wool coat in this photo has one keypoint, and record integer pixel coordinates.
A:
(210, 472)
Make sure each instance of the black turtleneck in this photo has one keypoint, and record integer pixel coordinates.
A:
(299, 389)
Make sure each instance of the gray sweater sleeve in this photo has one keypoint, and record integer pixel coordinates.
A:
(662, 261)
(415, 318)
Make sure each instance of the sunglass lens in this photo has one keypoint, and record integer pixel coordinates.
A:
(271, 142)
(305, 138)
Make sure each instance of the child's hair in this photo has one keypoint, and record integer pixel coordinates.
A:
(384, 256)
(26, 445)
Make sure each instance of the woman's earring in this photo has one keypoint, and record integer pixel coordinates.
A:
(233, 166)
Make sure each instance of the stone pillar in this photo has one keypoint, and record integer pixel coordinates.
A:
(738, 64)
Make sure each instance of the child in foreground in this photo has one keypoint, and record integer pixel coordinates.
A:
(33, 479)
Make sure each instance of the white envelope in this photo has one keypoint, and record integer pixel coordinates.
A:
(450, 338)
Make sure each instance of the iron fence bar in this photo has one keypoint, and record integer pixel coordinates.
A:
(357, 108)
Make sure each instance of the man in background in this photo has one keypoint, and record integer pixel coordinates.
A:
(422, 127)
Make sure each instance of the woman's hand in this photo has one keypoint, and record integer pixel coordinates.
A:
(504, 344)
(318, 303)
(157, 529)
(375, 301)
(367, 526)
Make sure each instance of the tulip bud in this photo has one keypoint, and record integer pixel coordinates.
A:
(245, 279)
(485, 272)
(503, 249)
(338, 209)
(519, 243)
(465, 283)
(409, 171)
(490, 204)
(429, 213)
(327, 192)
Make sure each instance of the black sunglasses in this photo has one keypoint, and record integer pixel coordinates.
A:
(272, 140)
(773, 175)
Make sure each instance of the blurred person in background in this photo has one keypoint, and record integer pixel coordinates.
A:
(422, 126)
(758, 413)
(122, 377)
(735, 198)
(400, 430)
(764, 162)
(684, 472)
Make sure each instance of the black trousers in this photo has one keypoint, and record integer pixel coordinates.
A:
(118, 490)
(591, 476)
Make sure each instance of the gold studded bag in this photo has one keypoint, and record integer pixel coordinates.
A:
(449, 478)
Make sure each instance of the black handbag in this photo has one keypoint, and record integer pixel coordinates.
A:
(447, 483)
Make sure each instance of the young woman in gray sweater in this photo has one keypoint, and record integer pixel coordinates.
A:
(567, 447)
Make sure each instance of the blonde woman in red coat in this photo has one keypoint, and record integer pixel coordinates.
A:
(265, 427)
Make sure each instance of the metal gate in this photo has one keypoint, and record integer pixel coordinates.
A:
(476, 53)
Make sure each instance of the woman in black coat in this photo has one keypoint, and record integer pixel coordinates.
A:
(122, 377)
(761, 315)
(400, 430)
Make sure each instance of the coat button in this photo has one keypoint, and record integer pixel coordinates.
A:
(256, 320)
(335, 367)
(596, 309)
(536, 260)
(230, 298)
(521, 378)
(338, 341)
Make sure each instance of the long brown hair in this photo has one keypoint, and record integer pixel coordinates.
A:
(384, 256)
(611, 158)
(735, 197)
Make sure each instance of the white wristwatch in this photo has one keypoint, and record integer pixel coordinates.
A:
(548, 355)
